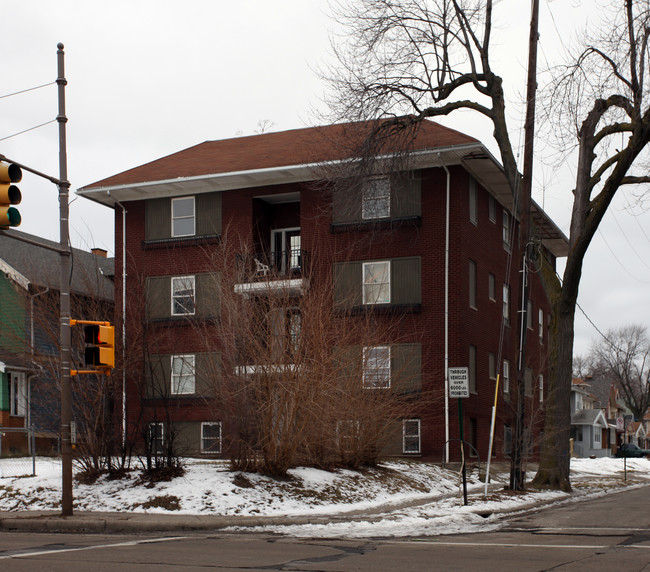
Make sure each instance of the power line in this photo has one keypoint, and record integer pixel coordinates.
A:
(30, 129)
(26, 90)
(620, 263)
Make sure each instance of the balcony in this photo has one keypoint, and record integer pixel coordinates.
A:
(272, 272)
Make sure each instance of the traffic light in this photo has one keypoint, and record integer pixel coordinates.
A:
(9, 194)
(101, 352)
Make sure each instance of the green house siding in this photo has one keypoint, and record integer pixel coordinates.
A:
(158, 216)
(12, 317)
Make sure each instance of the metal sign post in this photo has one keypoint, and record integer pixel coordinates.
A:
(459, 388)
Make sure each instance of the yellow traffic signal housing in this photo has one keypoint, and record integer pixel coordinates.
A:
(9, 194)
(101, 352)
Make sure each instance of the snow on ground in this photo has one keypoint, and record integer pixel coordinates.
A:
(403, 498)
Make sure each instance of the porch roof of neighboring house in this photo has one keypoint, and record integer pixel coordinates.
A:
(302, 155)
(636, 428)
(593, 417)
(31, 264)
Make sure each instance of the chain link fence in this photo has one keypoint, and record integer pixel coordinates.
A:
(17, 452)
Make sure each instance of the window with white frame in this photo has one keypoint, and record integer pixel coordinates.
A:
(211, 437)
(506, 304)
(183, 217)
(18, 395)
(183, 295)
(541, 388)
(540, 324)
(506, 230)
(506, 376)
(492, 209)
(376, 367)
(376, 198)
(492, 287)
(492, 366)
(411, 438)
(183, 374)
(156, 437)
(376, 282)
(473, 202)
(597, 435)
(529, 315)
(507, 440)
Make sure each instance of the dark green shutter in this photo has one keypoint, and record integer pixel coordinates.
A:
(158, 376)
(208, 287)
(208, 373)
(405, 197)
(406, 368)
(346, 203)
(347, 285)
(158, 297)
(158, 217)
(208, 214)
(406, 281)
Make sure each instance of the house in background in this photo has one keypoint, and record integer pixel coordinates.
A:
(29, 322)
(590, 431)
(381, 245)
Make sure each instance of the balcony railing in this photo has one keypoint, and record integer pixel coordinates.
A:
(257, 267)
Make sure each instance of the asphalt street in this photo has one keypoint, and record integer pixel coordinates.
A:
(606, 533)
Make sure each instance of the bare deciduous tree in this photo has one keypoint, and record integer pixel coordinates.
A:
(428, 58)
(624, 356)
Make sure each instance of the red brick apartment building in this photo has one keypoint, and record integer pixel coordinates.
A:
(433, 248)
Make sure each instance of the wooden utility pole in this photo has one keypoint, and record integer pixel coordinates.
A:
(516, 473)
(66, 338)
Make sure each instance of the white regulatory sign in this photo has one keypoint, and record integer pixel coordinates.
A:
(458, 381)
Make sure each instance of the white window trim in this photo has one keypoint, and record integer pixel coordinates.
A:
(192, 216)
(405, 436)
(473, 202)
(506, 376)
(370, 375)
(370, 199)
(174, 387)
(540, 326)
(212, 450)
(506, 304)
(492, 365)
(18, 394)
(364, 283)
(492, 287)
(541, 388)
(492, 209)
(173, 297)
(507, 229)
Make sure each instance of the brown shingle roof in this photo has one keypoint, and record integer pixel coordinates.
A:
(295, 147)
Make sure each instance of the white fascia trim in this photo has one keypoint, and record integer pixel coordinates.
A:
(307, 167)
(13, 274)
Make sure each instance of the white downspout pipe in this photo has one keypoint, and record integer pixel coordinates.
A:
(447, 314)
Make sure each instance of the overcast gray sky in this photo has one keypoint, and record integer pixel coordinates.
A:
(147, 78)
